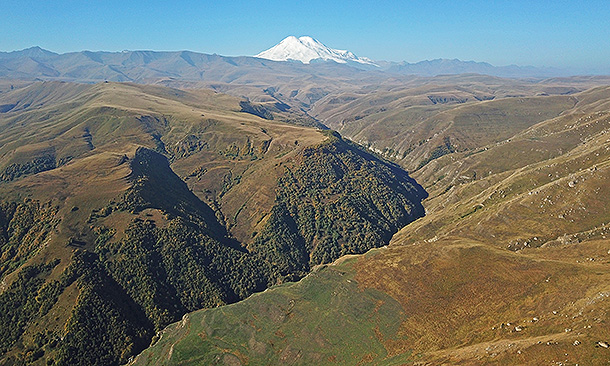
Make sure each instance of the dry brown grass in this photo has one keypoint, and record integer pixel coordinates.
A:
(467, 302)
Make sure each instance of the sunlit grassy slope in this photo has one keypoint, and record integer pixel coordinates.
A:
(276, 327)
(455, 302)
(546, 182)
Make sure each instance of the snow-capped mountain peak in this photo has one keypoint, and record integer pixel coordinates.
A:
(306, 49)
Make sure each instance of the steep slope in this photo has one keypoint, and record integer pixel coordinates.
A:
(509, 266)
(554, 169)
(125, 206)
(333, 200)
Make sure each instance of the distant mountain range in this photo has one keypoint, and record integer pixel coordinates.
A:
(302, 56)
(443, 66)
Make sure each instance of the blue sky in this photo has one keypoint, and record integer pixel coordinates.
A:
(567, 34)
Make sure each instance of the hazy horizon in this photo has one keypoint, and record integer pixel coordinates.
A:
(554, 34)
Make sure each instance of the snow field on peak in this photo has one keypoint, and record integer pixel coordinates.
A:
(305, 49)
